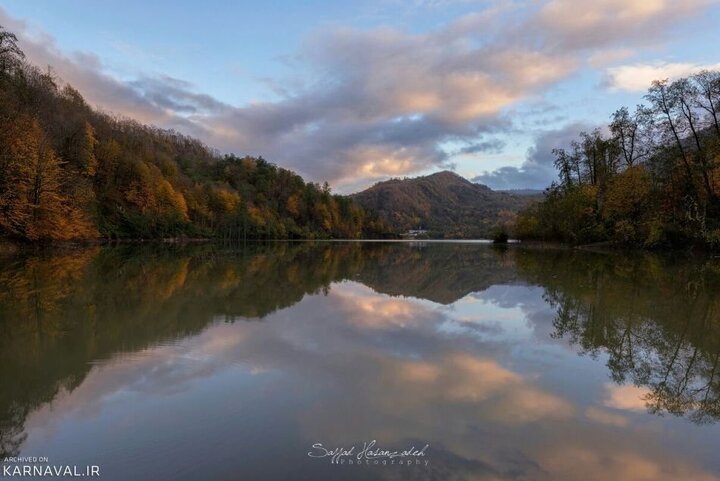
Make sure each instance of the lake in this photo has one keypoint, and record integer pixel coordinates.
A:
(461, 361)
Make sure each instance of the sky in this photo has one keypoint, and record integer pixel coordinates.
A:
(360, 91)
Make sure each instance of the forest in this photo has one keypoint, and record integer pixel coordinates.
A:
(649, 180)
(69, 172)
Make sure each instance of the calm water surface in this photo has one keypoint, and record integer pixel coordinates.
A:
(205, 362)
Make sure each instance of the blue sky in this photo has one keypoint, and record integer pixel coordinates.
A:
(356, 92)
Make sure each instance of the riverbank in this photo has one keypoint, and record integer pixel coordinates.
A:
(10, 246)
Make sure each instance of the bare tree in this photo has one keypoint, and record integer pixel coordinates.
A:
(10, 53)
(708, 85)
(663, 105)
(686, 95)
(564, 164)
(627, 132)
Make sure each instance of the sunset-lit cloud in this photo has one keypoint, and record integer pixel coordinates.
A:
(597, 24)
(603, 416)
(637, 77)
(626, 397)
(362, 103)
(607, 461)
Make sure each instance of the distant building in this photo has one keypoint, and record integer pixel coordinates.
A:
(415, 233)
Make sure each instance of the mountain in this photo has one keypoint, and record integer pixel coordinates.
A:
(444, 203)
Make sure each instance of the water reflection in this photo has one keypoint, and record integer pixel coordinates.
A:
(659, 322)
(118, 355)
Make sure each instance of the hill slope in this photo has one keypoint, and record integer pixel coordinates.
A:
(445, 203)
(69, 172)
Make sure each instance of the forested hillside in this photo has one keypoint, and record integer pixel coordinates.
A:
(69, 172)
(652, 179)
(444, 203)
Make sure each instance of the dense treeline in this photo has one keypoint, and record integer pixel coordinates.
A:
(650, 180)
(70, 172)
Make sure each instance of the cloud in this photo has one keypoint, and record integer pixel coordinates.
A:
(594, 24)
(614, 461)
(605, 57)
(383, 102)
(628, 397)
(637, 77)
(605, 417)
(494, 146)
(537, 171)
(140, 100)
(175, 95)
(492, 392)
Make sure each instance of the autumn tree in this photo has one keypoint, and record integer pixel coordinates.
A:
(32, 202)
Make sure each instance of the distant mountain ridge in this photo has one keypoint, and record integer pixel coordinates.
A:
(525, 192)
(444, 203)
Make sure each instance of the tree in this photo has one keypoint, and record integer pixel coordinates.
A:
(663, 104)
(626, 131)
(708, 85)
(10, 54)
(81, 149)
(686, 94)
(564, 164)
(32, 201)
(293, 206)
(20, 147)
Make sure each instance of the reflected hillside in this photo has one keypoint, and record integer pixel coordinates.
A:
(60, 312)
(442, 273)
(656, 319)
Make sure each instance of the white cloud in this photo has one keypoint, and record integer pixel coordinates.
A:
(637, 77)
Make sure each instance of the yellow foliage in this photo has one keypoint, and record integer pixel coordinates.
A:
(36, 207)
(224, 201)
(248, 164)
(293, 205)
(256, 216)
(627, 193)
(170, 201)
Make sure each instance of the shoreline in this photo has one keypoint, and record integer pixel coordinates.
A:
(8, 246)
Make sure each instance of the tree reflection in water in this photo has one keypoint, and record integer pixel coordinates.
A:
(656, 319)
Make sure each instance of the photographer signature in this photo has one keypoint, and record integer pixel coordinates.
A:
(369, 451)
